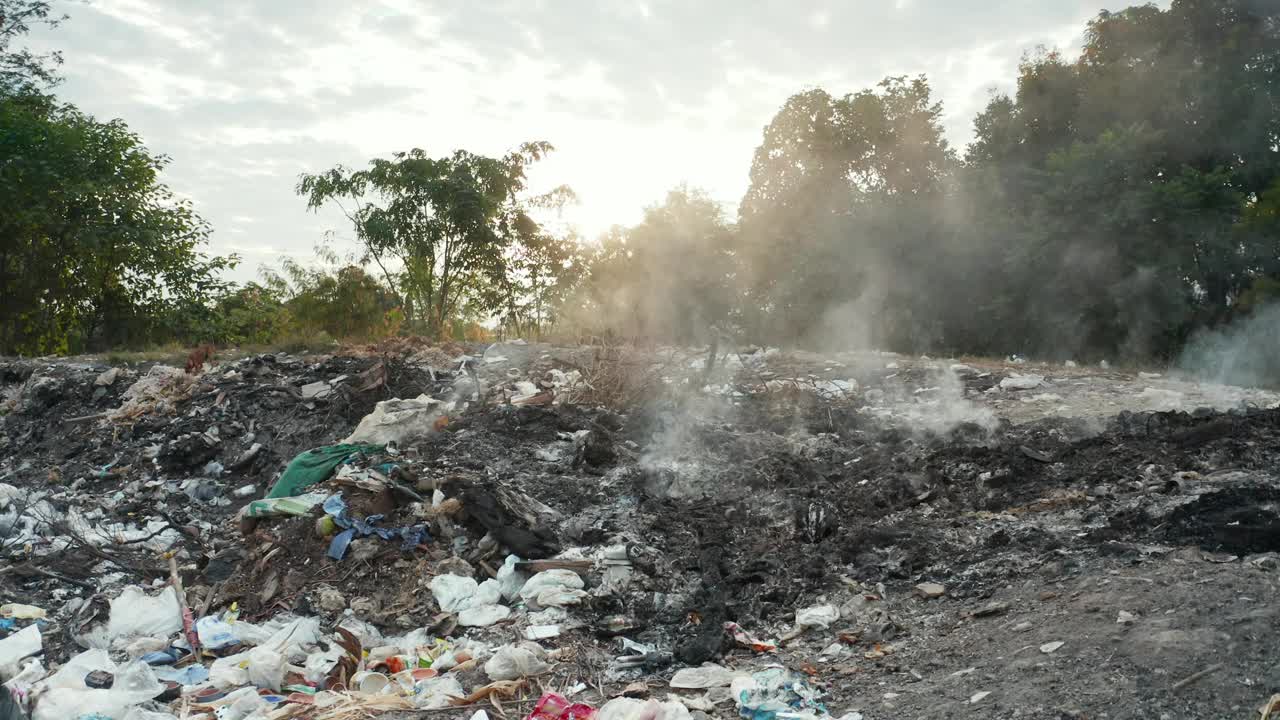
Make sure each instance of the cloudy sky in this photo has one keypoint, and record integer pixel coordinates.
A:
(636, 95)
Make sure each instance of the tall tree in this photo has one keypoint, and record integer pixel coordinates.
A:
(95, 249)
(435, 227)
(671, 276)
(843, 191)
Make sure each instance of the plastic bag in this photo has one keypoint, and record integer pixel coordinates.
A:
(510, 580)
(774, 691)
(709, 675)
(19, 688)
(435, 692)
(557, 707)
(453, 592)
(241, 704)
(215, 634)
(136, 614)
(483, 615)
(265, 668)
(26, 641)
(67, 695)
(512, 662)
(551, 580)
(632, 709)
(292, 640)
(397, 420)
(817, 616)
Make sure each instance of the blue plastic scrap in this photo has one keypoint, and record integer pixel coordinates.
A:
(186, 677)
(410, 536)
(778, 694)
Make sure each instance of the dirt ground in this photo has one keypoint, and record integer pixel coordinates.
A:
(1105, 544)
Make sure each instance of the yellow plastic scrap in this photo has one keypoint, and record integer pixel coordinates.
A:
(22, 612)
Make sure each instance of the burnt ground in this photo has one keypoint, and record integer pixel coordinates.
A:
(1145, 543)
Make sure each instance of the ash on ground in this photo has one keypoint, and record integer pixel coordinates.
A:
(550, 532)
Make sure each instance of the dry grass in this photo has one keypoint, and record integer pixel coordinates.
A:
(619, 376)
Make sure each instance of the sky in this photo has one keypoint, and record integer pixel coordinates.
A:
(637, 96)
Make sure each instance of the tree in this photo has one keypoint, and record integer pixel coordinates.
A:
(20, 69)
(338, 298)
(671, 277)
(844, 192)
(1127, 184)
(96, 249)
(437, 228)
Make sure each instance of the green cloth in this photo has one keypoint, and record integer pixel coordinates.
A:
(315, 466)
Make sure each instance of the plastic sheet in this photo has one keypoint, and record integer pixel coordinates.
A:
(134, 614)
(512, 662)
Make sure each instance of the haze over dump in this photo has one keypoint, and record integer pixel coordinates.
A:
(1121, 199)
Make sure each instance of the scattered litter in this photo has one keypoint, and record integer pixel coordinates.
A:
(1021, 382)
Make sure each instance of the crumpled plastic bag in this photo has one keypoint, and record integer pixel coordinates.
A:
(553, 588)
(510, 580)
(632, 709)
(483, 615)
(136, 614)
(17, 646)
(433, 693)
(67, 696)
(397, 421)
(264, 666)
(242, 704)
(453, 592)
(820, 616)
(476, 604)
(512, 662)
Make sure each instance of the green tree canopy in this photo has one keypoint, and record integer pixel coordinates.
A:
(437, 228)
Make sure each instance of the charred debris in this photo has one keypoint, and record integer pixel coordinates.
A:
(534, 531)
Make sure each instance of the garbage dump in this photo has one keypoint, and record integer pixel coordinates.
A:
(557, 533)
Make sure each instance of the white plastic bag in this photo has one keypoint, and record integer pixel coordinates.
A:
(551, 580)
(817, 616)
(453, 592)
(397, 420)
(483, 615)
(242, 704)
(215, 634)
(266, 668)
(553, 588)
(708, 675)
(510, 580)
(435, 692)
(512, 662)
(632, 709)
(68, 697)
(26, 641)
(135, 614)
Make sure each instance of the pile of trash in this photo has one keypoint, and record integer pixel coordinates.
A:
(457, 529)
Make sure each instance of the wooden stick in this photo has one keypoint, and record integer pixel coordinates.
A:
(1197, 676)
(578, 566)
(84, 418)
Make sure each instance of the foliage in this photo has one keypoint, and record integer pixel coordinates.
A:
(439, 229)
(96, 250)
(339, 299)
(20, 69)
(670, 276)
